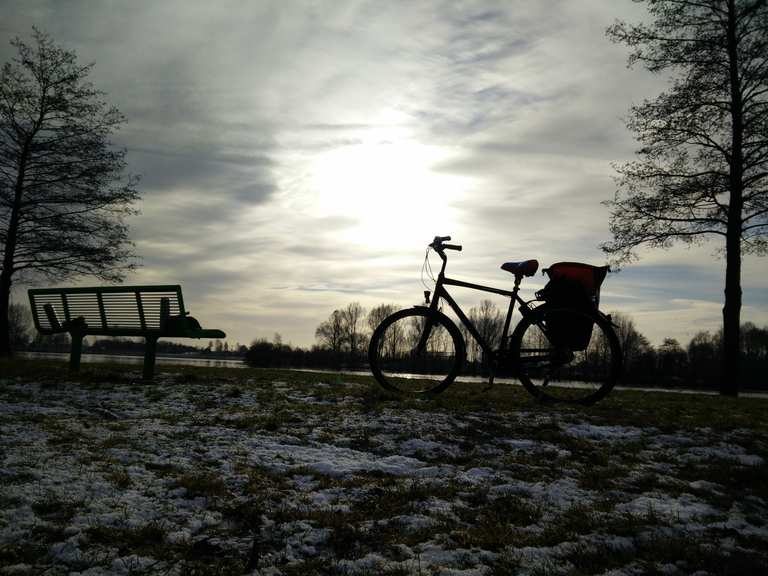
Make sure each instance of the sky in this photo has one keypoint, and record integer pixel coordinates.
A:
(297, 156)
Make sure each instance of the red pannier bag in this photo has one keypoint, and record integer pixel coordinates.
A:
(572, 285)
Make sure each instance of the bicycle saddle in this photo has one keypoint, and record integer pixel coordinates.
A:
(524, 268)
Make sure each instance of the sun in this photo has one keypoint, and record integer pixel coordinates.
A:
(388, 186)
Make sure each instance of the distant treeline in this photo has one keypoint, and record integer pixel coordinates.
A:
(342, 343)
(133, 346)
(698, 364)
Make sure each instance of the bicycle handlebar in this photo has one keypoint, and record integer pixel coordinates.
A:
(438, 246)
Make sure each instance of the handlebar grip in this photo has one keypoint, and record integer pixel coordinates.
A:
(443, 238)
(456, 247)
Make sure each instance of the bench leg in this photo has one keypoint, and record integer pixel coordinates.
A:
(75, 352)
(150, 349)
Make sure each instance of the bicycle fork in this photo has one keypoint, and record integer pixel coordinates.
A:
(422, 344)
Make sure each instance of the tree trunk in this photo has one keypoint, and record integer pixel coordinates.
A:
(729, 378)
(9, 254)
(6, 277)
(5, 327)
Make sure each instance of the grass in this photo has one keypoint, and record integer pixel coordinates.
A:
(202, 483)
(137, 539)
(222, 471)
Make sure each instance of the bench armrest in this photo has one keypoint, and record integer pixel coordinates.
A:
(207, 333)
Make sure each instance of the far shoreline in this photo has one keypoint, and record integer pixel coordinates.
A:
(194, 360)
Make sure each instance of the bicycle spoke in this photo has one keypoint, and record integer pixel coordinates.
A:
(413, 352)
(554, 368)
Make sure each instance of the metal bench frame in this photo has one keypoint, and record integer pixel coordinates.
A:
(131, 311)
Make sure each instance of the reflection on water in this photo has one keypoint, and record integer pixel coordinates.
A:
(121, 359)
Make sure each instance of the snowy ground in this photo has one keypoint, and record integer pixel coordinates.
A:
(270, 473)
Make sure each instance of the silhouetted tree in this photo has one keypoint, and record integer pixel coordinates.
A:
(489, 323)
(395, 337)
(754, 342)
(262, 354)
(671, 359)
(352, 323)
(703, 164)
(755, 353)
(704, 358)
(378, 313)
(633, 344)
(19, 325)
(331, 332)
(62, 195)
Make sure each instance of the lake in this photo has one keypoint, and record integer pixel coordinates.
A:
(126, 359)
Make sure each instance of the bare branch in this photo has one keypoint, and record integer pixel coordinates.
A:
(63, 194)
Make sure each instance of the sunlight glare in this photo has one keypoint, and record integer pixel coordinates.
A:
(387, 187)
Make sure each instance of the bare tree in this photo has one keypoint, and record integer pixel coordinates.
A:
(352, 322)
(671, 356)
(703, 356)
(378, 313)
(331, 332)
(632, 342)
(755, 342)
(394, 338)
(489, 323)
(703, 165)
(63, 197)
(19, 325)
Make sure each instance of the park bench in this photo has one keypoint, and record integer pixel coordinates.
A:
(149, 312)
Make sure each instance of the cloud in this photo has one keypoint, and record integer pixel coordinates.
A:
(495, 122)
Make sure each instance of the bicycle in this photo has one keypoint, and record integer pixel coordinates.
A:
(560, 351)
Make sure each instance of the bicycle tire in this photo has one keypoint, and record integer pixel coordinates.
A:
(552, 370)
(397, 363)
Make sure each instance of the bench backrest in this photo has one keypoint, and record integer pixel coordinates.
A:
(107, 310)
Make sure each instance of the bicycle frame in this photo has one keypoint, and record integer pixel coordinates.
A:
(441, 293)
(554, 362)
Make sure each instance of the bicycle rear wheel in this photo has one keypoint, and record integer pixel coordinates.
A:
(557, 365)
(415, 351)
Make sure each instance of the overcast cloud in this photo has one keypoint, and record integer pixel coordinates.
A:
(298, 156)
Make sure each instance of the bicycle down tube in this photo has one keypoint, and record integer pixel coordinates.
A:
(441, 292)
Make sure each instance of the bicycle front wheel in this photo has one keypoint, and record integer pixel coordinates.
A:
(566, 355)
(415, 351)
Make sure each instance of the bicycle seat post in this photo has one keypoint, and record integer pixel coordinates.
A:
(508, 320)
